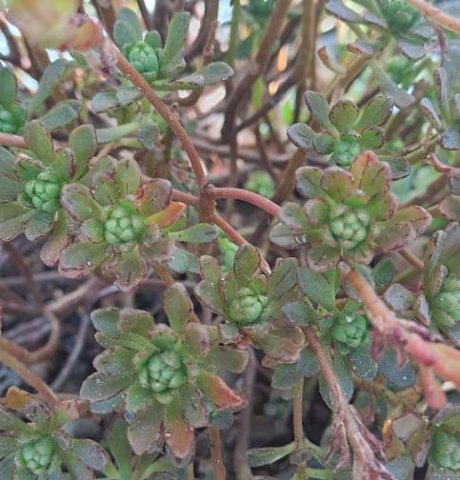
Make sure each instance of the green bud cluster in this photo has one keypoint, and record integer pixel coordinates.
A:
(350, 227)
(10, 120)
(144, 58)
(37, 456)
(123, 225)
(446, 305)
(43, 192)
(163, 372)
(445, 450)
(247, 308)
(349, 330)
(399, 14)
(345, 151)
(261, 8)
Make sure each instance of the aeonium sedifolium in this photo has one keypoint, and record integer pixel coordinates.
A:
(37, 447)
(344, 129)
(118, 220)
(349, 328)
(349, 214)
(250, 300)
(244, 296)
(31, 185)
(394, 20)
(164, 376)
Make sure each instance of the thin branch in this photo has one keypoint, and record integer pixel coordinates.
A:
(346, 423)
(257, 66)
(29, 377)
(141, 84)
(228, 229)
(216, 453)
(247, 196)
(67, 368)
(436, 15)
(9, 140)
(411, 259)
(185, 198)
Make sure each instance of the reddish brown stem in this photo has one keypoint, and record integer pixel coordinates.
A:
(29, 377)
(185, 198)
(246, 196)
(9, 140)
(228, 229)
(216, 453)
(430, 12)
(141, 84)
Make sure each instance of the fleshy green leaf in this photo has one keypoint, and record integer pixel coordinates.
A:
(301, 136)
(258, 457)
(82, 142)
(246, 263)
(144, 432)
(61, 115)
(376, 112)
(78, 203)
(178, 306)
(39, 141)
(319, 287)
(343, 115)
(319, 109)
(101, 387)
(80, 259)
(127, 28)
(177, 33)
(344, 377)
(199, 233)
(128, 176)
(8, 87)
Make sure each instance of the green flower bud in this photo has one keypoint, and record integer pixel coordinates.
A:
(44, 191)
(37, 456)
(445, 450)
(399, 15)
(247, 307)
(123, 225)
(349, 330)
(345, 151)
(11, 120)
(144, 59)
(164, 372)
(350, 227)
(445, 307)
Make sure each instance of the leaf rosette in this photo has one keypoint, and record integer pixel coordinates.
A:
(349, 214)
(251, 302)
(164, 376)
(345, 130)
(31, 186)
(118, 220)
(36, 447)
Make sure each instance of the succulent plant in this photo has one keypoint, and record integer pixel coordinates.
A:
(344, 130)
(445, 450)
(38, 447)
(349, 330)
(445, 116)
(349, 215)
(251, 301)
(164, 375)
(118, 220)
(248, 307)
(393, 19)
(30, 187)
(144, 57)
